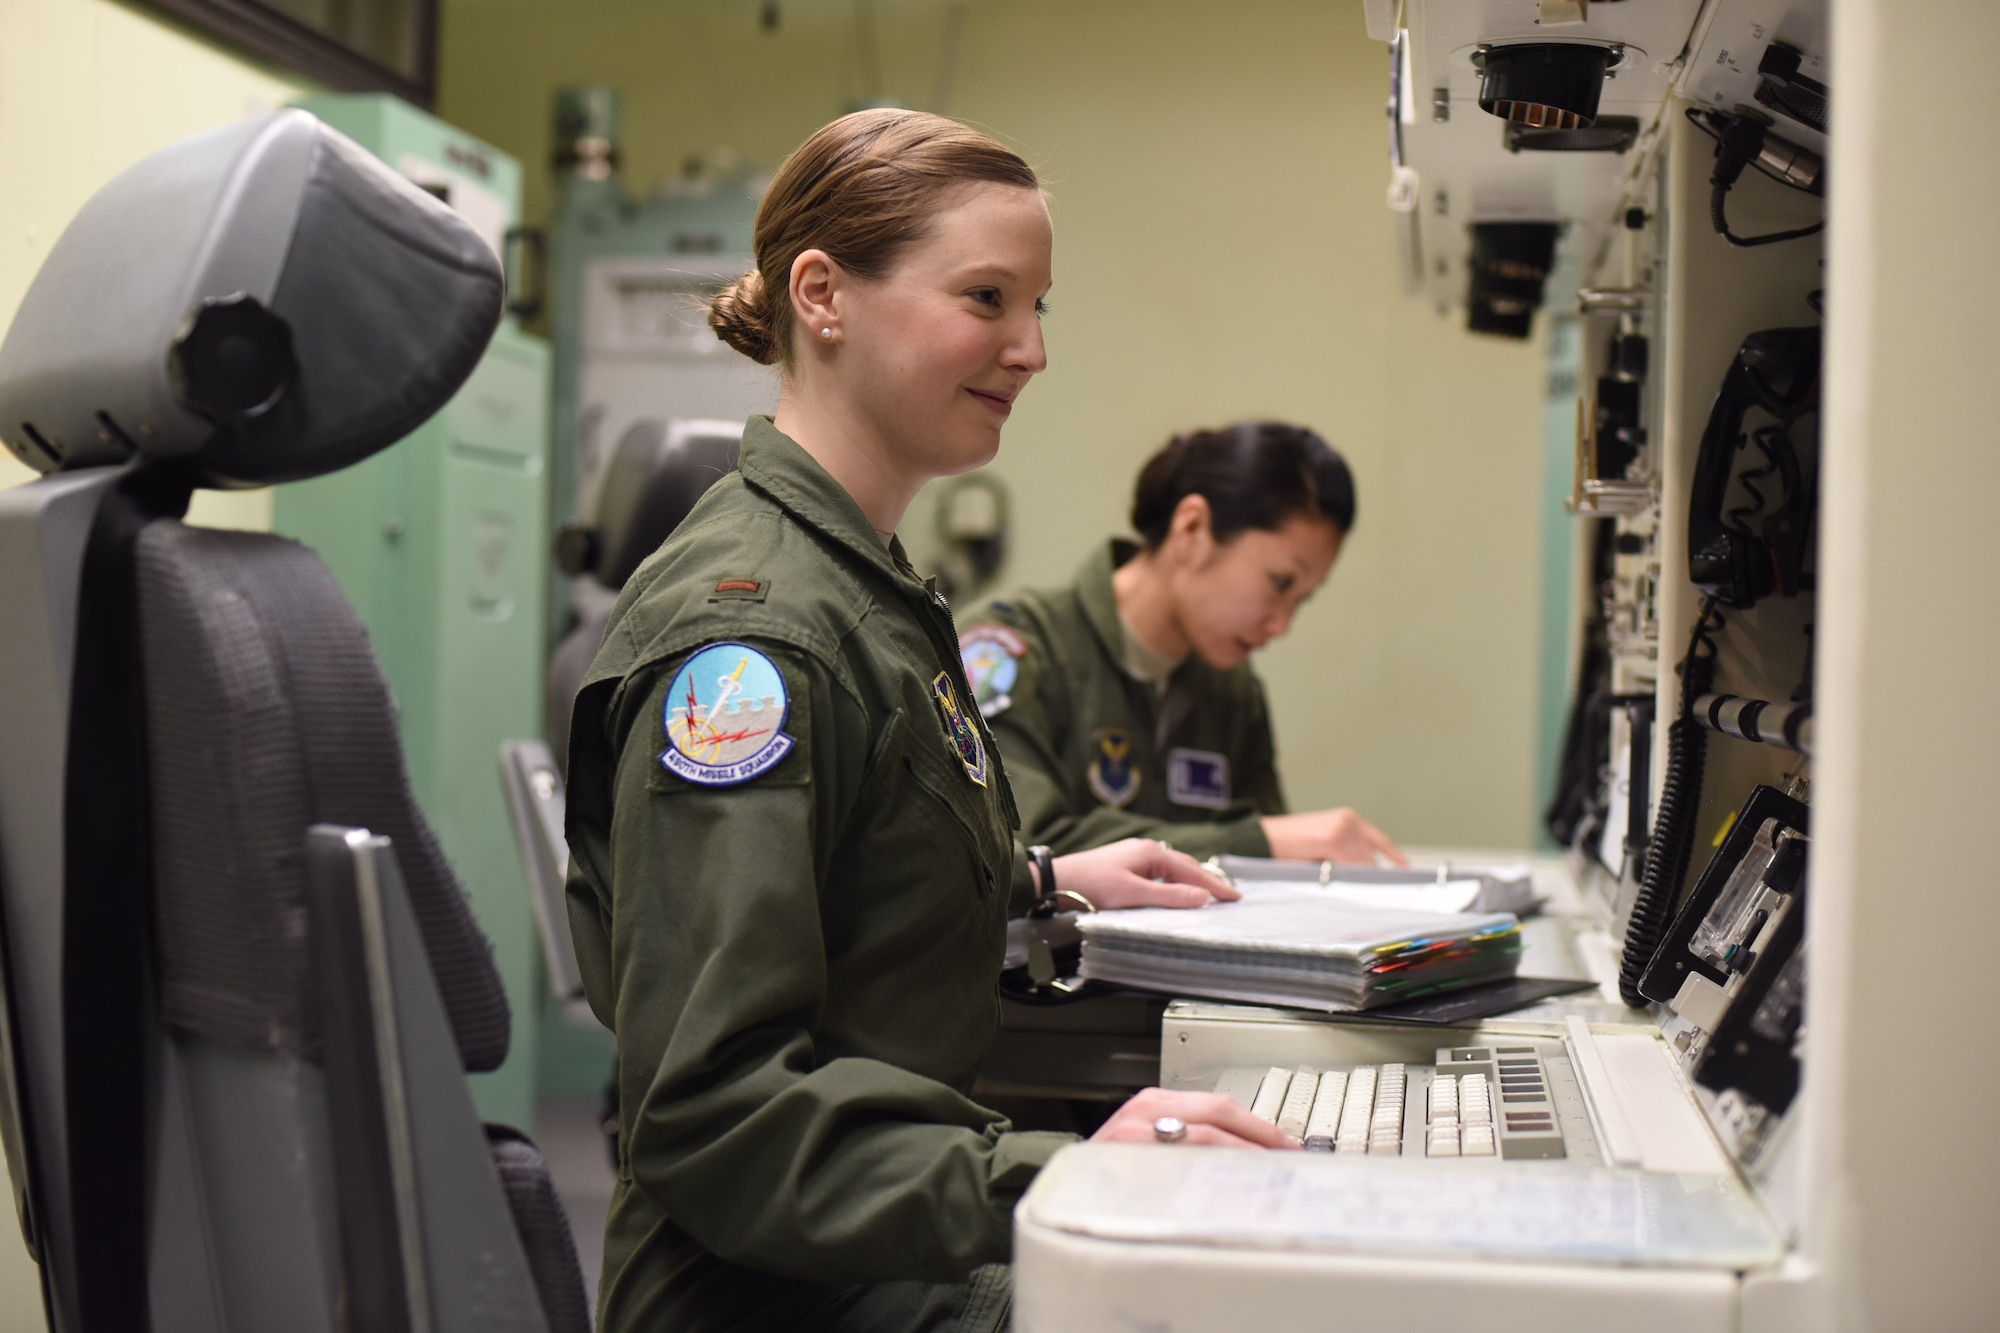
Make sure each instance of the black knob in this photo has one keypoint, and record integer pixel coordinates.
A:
(1547, 85)
(232, 359)
(578, 549)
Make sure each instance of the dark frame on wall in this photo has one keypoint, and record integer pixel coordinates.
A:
(269, 33)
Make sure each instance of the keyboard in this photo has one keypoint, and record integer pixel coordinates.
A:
(1476, 1101)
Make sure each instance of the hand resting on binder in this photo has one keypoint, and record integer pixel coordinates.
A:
(1340, 836)
(1138, 872)
(1141, 872)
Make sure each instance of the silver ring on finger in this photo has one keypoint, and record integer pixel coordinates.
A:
(1170, 1129)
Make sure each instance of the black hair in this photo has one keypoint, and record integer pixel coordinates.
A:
(1255, 474)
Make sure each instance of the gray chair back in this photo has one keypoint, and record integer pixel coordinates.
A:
(654, 477)
(178, 708)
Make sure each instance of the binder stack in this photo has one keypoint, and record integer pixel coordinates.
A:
(1301, 946)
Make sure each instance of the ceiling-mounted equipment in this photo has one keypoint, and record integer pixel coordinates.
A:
(1545, 85)
(1618, 424)
(1510, 262)
(1745, 140)
(1781, 87)
(1608, 134)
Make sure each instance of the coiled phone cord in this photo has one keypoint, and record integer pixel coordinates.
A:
(1680, 797)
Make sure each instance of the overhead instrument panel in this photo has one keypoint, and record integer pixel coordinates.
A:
(1766, 54)
(1519, 133)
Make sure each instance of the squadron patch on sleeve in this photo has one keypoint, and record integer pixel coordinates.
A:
(992, 656)
(1113, 773)
(1198, 777)
(959, 730)
(725, 715)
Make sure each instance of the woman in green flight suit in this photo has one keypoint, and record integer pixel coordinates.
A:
(792, 839)
(1125, 704)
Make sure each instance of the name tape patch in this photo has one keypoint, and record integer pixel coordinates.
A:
(1198, 777)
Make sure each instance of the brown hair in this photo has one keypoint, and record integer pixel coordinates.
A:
(861, 189)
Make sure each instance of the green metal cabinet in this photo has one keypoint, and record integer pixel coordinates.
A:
(440, 543)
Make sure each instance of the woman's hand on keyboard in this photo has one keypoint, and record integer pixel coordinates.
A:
(1140, 872)
(1213, 1120)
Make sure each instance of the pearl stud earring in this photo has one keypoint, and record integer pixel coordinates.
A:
(826, 334)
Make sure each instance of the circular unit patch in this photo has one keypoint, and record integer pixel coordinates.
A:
(992, 656)
(725, 716)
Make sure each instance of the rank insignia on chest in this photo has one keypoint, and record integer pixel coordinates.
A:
(725, 715)
(992, 656)
(1198, 777)
(1113, 772)
(959, 730)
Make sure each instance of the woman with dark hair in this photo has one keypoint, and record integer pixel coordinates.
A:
(792, 840)
(1125, 704)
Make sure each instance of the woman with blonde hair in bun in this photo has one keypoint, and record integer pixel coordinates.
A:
(792, 837)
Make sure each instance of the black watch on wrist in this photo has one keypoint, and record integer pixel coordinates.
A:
(1045, 892)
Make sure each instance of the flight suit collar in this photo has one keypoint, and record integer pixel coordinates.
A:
(1166, 704)
(1099, 601)
(778, 465)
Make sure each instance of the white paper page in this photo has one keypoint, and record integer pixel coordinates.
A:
(1455, 895)
(1288, 918)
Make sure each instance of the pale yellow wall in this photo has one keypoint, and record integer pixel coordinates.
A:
(1222, 250)
(86, 89)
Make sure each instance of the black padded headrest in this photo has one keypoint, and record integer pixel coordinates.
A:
(656, 473)
(264, 302)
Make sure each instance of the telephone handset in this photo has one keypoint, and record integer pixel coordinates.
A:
(1738, 564)
(1734, 565)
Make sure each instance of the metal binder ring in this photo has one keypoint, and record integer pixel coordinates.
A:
(1170, 1129)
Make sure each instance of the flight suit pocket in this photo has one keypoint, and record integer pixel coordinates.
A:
(929, 786)
(946, 813)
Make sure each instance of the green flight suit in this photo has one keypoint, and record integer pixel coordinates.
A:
(799, 951)
(1094, 753)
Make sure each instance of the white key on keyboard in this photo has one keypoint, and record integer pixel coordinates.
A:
(1475, 1100)
(1324, 1120)
(1444, 1097)
(1298, 1101)
(1271, 1095)
(1385, 1126)
(1477, 1141)
(1240, 1085)
(1352, 1136)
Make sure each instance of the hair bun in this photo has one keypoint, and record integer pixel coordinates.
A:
(740, 314)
